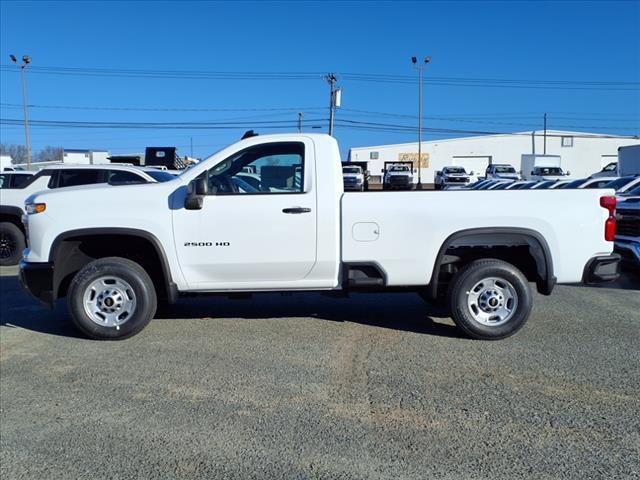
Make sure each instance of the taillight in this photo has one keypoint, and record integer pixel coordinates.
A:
(610, 223)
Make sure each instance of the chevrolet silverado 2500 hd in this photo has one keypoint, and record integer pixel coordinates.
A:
(296, 230)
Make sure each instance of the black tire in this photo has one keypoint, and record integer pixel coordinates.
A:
(470, 276)
(12, 243)
(121, 268)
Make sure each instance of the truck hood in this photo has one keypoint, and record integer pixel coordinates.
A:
(352, 175)
(102, 191)
(507, 176)
(399, 174)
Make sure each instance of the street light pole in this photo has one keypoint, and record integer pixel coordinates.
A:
(26, 60)
(420, 69)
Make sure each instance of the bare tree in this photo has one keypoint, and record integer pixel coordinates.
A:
(18, 153)
(49, 154)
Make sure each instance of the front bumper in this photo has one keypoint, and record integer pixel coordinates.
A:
(37, 280)
(353, 185)
(602, 269)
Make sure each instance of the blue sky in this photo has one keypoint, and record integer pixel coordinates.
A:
(573, 42)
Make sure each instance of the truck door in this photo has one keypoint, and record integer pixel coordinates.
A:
(257, 225)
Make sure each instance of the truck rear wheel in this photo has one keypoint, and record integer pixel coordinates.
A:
(12, 243)
(111, 299)
(490, 299)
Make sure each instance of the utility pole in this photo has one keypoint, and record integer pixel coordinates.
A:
(331, 79)
(420, 69)
(26, 60)
(544, 144)
(299, 122)
(191, 147)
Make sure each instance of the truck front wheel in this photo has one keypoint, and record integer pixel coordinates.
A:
(111, 299)
(490, 299)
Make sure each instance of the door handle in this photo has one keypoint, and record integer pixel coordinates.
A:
(296, 210)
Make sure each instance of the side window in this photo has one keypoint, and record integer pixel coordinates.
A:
(123, 178)
(19, 181)
(272, 168)
(72, 177)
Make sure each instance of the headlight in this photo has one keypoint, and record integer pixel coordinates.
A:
(33, 208)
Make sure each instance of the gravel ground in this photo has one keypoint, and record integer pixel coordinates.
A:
(304, 386)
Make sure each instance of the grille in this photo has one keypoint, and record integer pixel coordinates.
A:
(457, 180)
(399, 179)
(628, 223)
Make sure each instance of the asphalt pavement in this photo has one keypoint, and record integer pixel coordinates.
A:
(305, 386)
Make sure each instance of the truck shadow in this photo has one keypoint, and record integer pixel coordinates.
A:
(405, 312)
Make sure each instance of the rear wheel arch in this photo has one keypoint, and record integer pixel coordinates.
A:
(494, 239)
(72, 250)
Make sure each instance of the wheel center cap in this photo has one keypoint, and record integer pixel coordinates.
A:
(108, 302)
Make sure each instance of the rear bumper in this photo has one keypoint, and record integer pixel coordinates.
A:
(605, 268)
(37, 280)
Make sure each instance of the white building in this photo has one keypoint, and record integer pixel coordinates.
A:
(582, 153)
(82, 157)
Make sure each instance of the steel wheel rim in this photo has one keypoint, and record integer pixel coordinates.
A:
(109, 301)
(492, 301)
(7, 246)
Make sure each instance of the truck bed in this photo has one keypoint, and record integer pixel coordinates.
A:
(403, 231)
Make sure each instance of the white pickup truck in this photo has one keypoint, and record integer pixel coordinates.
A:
(115, 252)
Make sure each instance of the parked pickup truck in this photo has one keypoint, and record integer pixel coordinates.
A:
(451, 176)
(115, 256)
(501, 172)
(12, 234)
(353, 177)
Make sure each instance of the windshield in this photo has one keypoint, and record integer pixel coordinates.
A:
(159, 175)
(618, 183)
(454, 170)
(633, 191)
(548, 171)
(505, 170)
(350, 169)
(574, 183)
(399, 168)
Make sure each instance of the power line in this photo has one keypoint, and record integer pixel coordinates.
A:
(276, 124)
(362, 77)
(166, 109)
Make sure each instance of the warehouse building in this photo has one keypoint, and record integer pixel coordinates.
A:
(582, 154)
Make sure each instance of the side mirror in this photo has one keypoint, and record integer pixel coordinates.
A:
(439, 172)
(471, 173)
(196, 191)
(532, 172)
(568, 173)
(382, 170)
